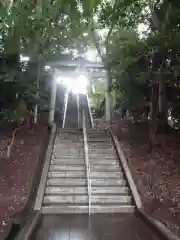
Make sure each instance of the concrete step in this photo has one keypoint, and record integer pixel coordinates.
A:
(98, 136)
(104, 168)
(69, 136)
(67, 161)
(108, 182)
(66, 190)
(84, 191)
(82, 174)
(65, 199)
(103, 162)
(102, 156)
(60, 154)
(64, 209)
(68, 149)
(92, 148)
(110, 190)
(83, 182)
(95, 131)
(106, 150)
(69, 130)
(101, 140)
(66, 167)
(83, 199)
(69, 143)
(66, 182)
(106, 154)
(68, 174)
(67, 156)
(107, 174)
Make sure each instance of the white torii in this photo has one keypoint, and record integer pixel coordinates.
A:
(80, 70)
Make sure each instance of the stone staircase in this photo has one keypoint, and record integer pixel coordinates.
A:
(67, 185)
(71, 120)
(110, 192)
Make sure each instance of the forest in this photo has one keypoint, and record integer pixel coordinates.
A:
(137, 41)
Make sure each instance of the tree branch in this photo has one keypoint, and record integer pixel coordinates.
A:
(112, 25)
(96, 44)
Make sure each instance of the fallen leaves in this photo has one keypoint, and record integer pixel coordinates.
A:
(16, 172)
(157, 175)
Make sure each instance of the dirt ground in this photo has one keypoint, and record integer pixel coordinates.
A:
(156, 174)
(16, 171)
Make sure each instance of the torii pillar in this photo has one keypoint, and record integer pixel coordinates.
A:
(108, 100)
(52, 99)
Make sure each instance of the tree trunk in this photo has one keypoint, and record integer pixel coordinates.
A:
(162, 116)
(154, 115)
(108, 98)
(37, 93)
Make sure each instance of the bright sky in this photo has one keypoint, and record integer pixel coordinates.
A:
(76, 85)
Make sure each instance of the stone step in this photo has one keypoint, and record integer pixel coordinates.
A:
(95, 140)
(108, 182)
(110, 190)
(95, 131)
(65, 199)
(70, 139)
(73, 208)
(67, 155)
(73, 144)
(69, 130)
(103, 156)
(105, 168)
(82, 174)
(84, 199)
(66, 148)
(106, 150)
(95, 146)
(68, 174)
(92, 148)
(83, 190)
(66, 167)
(66, 190)
(106, 174)
(79, 160)
(66, 182)
(69, 145)
(83, 182)
(66, 142)
(69, 136)
(103, 162)
(72, 133)
(68, 161)
(98, 136)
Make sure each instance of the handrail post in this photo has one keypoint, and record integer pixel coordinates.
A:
(65, 108)
(78, 110)
(90, 113)
(87, 163)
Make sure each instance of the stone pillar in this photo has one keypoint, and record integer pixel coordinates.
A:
(52, 100)
(108, 100)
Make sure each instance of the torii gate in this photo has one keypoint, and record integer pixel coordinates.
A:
(76, 68)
